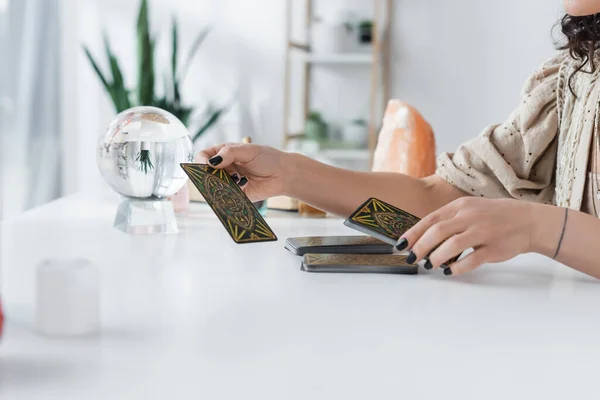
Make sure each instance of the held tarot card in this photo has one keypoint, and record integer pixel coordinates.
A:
(337, 245)
(383, 221)
(358, 263)
(235, 211)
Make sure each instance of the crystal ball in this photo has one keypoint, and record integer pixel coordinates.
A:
(140, 154)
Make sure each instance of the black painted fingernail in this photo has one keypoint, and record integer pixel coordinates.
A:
(235, 177)
(428, 265)
(412, 257)
(216, 160)
(243, 181)
(402, 244)
(447, 272)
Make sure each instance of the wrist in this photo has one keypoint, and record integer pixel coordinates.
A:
(546, 224)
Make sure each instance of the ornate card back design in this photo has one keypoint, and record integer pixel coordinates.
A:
(384, 218)
(235, 211)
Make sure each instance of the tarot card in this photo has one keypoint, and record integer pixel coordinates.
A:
(337, 245)
(233, 208)
(383, 221)
(358, 263)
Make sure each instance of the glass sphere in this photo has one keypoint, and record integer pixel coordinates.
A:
(140, 154)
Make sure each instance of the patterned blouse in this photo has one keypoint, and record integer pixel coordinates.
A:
(542, 152)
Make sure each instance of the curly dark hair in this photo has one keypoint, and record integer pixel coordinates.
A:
(583, 39)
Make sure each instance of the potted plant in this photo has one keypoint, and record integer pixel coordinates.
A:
(315, 127)
(365, 32)
(144, 93)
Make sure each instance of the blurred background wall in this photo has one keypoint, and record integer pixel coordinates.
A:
(461, 63)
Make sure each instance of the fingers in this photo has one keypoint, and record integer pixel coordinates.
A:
(203, 156)
(449, 249)
(448, 232)
(236, 177)
(436, 235)
(477, 258)
(243, 181)
(226, 156)
(434, 229)
(411, 237)
(233, 154)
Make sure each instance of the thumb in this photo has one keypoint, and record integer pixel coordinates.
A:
(234, 153)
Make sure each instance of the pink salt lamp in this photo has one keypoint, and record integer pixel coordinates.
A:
(406, 142)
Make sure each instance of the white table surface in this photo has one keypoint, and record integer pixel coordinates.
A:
(195, 316)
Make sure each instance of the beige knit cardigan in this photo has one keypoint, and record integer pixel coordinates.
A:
(540, 153)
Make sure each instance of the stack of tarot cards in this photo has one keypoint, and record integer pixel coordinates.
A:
(350, 254)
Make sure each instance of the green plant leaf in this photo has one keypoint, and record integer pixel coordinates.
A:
(161, 102)
(184, 114)
(194, 49)
(215, 115)
(175, 49)
(212, 120)
(145, 160)
(143, 93)
(96, 68)
(117, 89)
(152, 80)
(145, 49)
(168, 93)
(314, 116)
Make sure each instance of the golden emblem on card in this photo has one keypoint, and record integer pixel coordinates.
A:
(384, 218)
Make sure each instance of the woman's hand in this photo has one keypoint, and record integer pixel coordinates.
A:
(497, 230)
(259, 170)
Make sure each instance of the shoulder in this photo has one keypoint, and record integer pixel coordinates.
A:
(547, 75)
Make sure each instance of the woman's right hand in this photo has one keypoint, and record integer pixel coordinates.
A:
(258, 169)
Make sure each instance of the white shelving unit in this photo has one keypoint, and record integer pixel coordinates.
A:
(375, 61)
(342, 58)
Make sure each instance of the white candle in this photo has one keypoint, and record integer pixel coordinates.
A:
(67, 297)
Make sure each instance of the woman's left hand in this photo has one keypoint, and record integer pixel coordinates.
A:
(497, 230)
